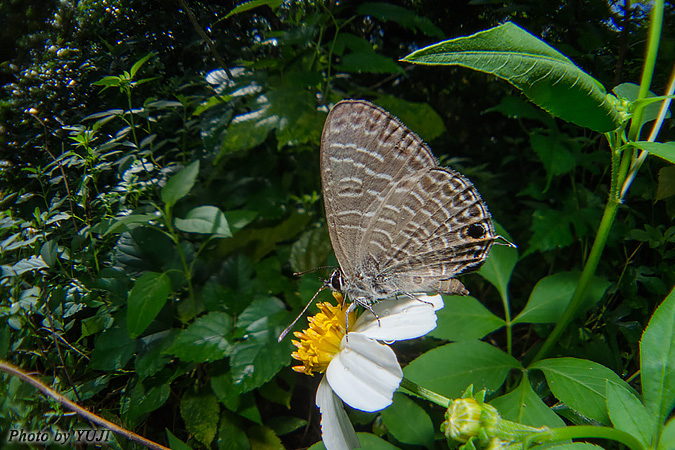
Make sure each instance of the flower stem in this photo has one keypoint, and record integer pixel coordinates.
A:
(586, 431)
(425, 393)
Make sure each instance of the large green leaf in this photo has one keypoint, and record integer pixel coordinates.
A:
(112, 350)
(230, 433)
(450, 369)
(205, 339)
(261, 324)
(546, 76)
(464, 319)
(667, 439)
(657, 361)
(523, 405)
(200, 413)
(408, 422)
(552, 294)
(581, 384)
(143, 401)
(205, 220)
(180, 184)
(665, 150)
(146, 299)
(628, 414)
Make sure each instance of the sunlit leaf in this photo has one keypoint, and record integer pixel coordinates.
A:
(146, 299)
(546, 76)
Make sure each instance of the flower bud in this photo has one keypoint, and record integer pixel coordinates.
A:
(467, 418)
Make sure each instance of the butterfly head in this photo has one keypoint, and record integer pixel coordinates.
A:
(336, 281)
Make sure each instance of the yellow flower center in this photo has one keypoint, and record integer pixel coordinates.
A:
(318, 344)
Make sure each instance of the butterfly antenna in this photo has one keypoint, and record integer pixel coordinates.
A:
(288, 328)
(501, 240)
(297, 274)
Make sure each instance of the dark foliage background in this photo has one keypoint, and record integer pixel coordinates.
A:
(74, 158)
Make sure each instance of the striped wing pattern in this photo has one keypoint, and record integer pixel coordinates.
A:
(398, 222)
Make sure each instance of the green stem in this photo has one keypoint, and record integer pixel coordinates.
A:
(187, 271)
(587, 431)
(419, 391)
(507, 319)
(131, 117)
(655, 27)
(578, 299)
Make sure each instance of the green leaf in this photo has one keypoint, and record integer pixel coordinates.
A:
(403, 16)
(519, 108)
(580, 384)
(419, 117)
(628, 413)
(464, 319)
(230, 434)
(450, 369)
(523, 405)
(146, 300)
(311, 250)
(666, 186)
(137, 65)
(238, 219)
(665, 150)
(368, 62)
(142, 401)
(175, 443)
(205, 339)
(120, 224)
(262, 322)
(151, 357)
(630, 92)
(205, 220)
(247, 6)
(200, 413)
(554, 152)
(552, 294)
(546, 76)
(657, 361)
(285, 424)
(576, 446)
(112, 350)
(263, 438)
(106, 82)
(501, 261)
(667, 439)
(180, 184)
(225, 390)
(408, 422)
(368, 441)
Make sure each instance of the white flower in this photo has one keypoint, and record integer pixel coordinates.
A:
(360, 369)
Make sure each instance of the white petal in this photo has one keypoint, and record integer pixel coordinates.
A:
(400, 318)
(337, 431)
(364, 373)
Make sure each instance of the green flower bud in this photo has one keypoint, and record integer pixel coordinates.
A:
(467, 417)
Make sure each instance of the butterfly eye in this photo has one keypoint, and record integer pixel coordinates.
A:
(336, 280)
(475, 231)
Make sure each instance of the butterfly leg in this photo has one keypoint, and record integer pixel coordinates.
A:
(367, 306)
(414, 297)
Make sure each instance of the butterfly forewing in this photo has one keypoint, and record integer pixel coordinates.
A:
(364, 151)
(396, 220)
